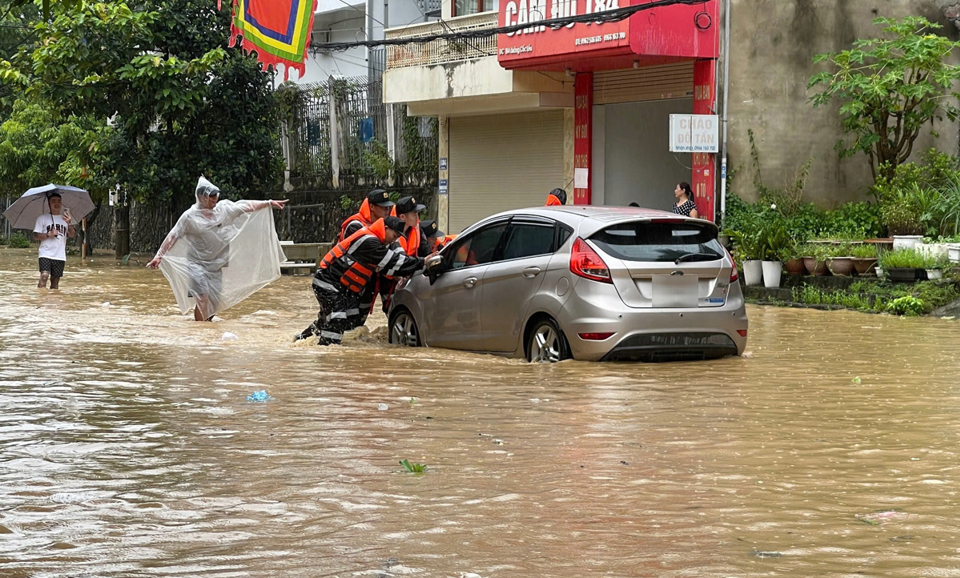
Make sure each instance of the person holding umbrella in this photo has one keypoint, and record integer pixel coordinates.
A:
(50, 212)
(52, 231)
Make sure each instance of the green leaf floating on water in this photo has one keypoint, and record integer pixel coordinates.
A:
(413, 468)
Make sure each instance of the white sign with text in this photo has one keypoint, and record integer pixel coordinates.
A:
(694, 133)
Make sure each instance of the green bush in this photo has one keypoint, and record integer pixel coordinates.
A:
(906, 305)
(904, 259)
(19, 241)
(863, 251)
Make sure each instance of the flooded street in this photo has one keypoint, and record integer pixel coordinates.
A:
(128, 447)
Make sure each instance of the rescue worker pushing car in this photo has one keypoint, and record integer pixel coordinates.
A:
(433, 238)
(345, 281)
(376, 206)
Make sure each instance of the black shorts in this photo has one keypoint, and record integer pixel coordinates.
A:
(53, 265)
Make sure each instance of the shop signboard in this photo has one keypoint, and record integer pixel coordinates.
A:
(694, 133)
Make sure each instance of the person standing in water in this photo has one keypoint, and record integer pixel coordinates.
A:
(206, 227)
(52, 231)
(684, 204)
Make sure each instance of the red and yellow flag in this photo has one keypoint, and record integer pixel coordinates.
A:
(277, 30)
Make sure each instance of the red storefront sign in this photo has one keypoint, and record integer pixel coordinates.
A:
(704, 102)
(672, 33)
(582, 136)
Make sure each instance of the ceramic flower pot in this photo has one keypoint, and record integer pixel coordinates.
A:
(864, 265)
(815, 267)
(933, 274)
(772, 270)
(906, 241)
(753, 272)
(842, 266)
(795, 267)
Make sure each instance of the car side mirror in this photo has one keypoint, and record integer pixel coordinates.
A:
(432, 264)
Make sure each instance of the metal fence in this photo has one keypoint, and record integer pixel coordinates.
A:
(340, 135)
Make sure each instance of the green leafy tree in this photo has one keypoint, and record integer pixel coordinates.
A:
(888, 88)
(172, 102)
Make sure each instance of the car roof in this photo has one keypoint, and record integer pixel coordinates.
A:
(587, 218)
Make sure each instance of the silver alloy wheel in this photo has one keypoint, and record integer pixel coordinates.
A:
(404, 331)
(545, 346)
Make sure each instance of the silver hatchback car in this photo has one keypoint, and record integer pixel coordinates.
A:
(591, 283)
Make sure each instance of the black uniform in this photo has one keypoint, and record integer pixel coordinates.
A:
(345, 282)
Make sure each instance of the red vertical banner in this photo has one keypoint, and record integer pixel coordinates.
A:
(582, 137)
(703, 180)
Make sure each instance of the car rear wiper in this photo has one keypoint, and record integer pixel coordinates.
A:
(692, 256)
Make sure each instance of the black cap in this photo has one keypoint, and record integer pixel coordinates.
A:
(408, 205)
(561, 195)
(430, 230)
(395, 223)
(634, 204)
(380, 198)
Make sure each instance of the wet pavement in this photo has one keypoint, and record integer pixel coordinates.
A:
(128, 447)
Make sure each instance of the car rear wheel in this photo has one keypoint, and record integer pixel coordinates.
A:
(404, 331)
(546, 343)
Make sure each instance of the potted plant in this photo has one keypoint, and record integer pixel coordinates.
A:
(935, 266)
(749, 251)
(901, 211)
(840, 261)
(815, 259)
(904, 265)
(775, 249)
(864, 258)
(794, 263)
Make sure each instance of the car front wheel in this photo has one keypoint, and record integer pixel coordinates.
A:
(546, 343)
(403, 330)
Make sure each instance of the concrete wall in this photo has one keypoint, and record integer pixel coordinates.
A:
(773, 43)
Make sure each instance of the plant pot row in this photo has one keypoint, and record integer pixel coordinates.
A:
(766, 272)
(843, 266)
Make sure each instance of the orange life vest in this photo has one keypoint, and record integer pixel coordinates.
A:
(363, 215)
(553, 201)
(410, 240)
(353, 275)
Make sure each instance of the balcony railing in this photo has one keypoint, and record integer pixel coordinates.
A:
(442, 51)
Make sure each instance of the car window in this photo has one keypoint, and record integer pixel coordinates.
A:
(478, 249)
(563, 233)
(660, 241)
(528, 239)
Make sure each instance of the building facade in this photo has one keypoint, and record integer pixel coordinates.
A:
(588, 107)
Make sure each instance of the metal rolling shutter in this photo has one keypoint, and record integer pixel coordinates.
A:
(502, 162)
(645, 83)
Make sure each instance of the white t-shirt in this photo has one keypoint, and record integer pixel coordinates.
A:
(54, 248)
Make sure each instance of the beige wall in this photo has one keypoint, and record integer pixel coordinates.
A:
(773, 43)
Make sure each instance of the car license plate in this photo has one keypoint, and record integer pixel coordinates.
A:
(675, 290)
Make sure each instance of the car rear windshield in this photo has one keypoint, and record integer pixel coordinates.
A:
(660, 241)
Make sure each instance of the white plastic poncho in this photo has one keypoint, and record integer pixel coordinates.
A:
(223, 255)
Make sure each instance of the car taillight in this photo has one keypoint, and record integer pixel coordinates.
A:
(594, 336)
(742, 332)
(734, 277)
(585, 263)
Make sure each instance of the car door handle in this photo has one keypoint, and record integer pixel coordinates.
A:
(469, 282)
(531, 272)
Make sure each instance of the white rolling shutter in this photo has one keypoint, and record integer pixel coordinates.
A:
(644, 83)
(502, 162)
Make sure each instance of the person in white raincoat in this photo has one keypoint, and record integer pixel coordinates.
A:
(211, 238)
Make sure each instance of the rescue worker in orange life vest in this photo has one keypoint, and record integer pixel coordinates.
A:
(433, 238)
(407, 210)
(557, 197)
(347, 274)
(377, 205)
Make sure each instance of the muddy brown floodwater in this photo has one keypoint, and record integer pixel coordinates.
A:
(128, 448)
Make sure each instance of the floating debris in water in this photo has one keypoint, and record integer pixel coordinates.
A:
(881, 516)
(856, 380)
(763, 554)
(227, 336)
(259, 396)
(498, 442)
(413, 468)
(383, 407)
(905, 538)
(624, 463)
